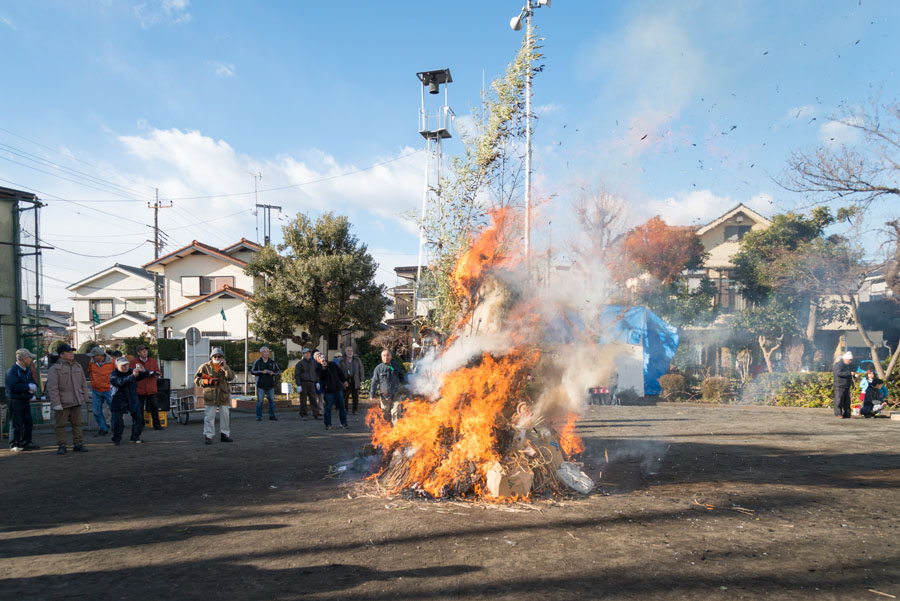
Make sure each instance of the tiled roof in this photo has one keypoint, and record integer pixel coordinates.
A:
(235, 292)
(195, 246)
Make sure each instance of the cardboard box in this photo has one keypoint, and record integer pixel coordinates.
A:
(501, 483)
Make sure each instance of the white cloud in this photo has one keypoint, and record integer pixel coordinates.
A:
(840, 133)
(701, 206)
(797, 115)
(5, 21)
(172, 12)
(222, 69)
(188, 163)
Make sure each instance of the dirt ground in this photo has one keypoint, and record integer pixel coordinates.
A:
(800, 506)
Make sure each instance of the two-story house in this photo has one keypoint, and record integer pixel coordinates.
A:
(112, 304)
(204, 287)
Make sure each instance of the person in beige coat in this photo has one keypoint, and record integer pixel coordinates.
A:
(68, 390)
(214, 377)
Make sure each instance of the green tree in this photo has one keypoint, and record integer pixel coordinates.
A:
(321, 279)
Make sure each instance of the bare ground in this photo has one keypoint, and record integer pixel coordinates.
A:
(695, 502)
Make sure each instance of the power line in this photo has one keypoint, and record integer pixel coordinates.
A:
(125, 252)
(74, 202)
(74, 158)
(67, 179)
(74, 172)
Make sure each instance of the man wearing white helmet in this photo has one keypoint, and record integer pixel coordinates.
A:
(843, 381)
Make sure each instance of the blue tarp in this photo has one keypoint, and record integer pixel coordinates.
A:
(626, 325)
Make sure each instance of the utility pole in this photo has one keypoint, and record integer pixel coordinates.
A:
(157, 293)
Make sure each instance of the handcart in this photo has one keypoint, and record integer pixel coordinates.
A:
(182, 405)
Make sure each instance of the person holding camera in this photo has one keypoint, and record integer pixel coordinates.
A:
(124, 382)
(214, 377)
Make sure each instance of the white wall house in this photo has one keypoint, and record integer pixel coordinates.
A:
(122, 298)
(201, 283)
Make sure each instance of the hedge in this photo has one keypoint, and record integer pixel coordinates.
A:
(808, 389)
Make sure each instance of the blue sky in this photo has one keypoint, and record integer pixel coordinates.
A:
(682, 108)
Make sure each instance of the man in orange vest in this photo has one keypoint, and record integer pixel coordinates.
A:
(101, 365)
(146, 388)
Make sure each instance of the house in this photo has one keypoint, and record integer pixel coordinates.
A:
(721, 238)
(204, 287)
(112, 304)
(403, 310)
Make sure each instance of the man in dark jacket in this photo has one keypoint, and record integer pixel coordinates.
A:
(123, 383)
(352, 367)
(20, 387)
(843, 381)
(305, 378)
(265, 369)
(386, 380)
(333, 383)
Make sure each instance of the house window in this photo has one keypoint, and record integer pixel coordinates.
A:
(734, 233)
(729, 297)
(104, 309)
(333, 341)
(208, 285)
(196, 285)
(214, 333)
(141, 305)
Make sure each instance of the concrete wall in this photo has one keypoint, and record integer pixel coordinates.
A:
(9, 294)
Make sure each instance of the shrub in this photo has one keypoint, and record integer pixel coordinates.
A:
(673, 386)
(287, 375)
(86, 346)
(808, 389)
(628, 395)
(170, 349)
(716, 389)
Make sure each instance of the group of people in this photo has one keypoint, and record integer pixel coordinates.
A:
(323, 385)
(129, 386)
(126, 386)
(873, 391)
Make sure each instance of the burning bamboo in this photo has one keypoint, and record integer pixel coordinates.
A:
(478, 422)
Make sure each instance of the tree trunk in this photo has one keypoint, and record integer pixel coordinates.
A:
(873, 350)
(893, 362)
(767, 352)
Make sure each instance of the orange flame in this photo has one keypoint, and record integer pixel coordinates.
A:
(570, 442)
(446, 446)
(454, 439)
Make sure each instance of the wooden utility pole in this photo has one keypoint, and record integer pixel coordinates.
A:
(157, 293)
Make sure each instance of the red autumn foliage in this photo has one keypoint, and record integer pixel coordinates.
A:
(663, 251)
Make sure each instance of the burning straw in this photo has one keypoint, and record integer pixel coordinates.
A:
(484, 417)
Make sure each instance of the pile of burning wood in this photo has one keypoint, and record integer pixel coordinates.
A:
(484, 428)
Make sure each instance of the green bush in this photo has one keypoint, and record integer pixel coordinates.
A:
(716, 389)
(171, 349)
(628, 395)
(287, 375)
(86, 346)
(807, 389)
(674, 386)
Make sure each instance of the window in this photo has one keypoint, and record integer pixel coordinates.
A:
(143, 305)
(733, 233)
(197, 285)
(333, 341)
(208, 285)
(104, 309)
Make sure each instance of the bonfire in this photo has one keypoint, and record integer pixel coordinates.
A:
(490, 414)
